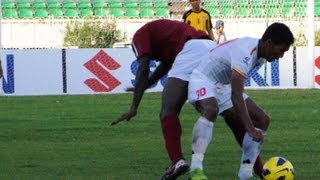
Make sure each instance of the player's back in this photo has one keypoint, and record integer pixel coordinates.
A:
(239, 54)
(164, 39)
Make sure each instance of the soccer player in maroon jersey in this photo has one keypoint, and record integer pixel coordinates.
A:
(178, 47)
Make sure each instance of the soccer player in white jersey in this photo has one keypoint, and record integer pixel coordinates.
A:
(216, 87)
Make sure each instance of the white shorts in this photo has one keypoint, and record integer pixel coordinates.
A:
(201, 87)
(189, 57)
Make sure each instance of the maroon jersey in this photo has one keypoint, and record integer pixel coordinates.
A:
(164, 39)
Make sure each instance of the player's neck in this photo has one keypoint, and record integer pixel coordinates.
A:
(260, 53)
(196, 10)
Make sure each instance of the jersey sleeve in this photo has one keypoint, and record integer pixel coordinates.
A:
(141, 44)
(184, 17)
(244, 58)
(209, 19)
(242, 63)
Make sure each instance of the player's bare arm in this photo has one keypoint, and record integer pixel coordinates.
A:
(209, 30)
(161, 70)
(141, 81)
(237, 88)
(140, 86)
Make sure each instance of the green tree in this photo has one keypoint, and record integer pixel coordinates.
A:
(92, 34)
(317, 37)
(301, 39)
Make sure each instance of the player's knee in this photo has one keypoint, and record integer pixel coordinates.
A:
(164, 114)
(208, 110)
(264, 122)
(171, 107)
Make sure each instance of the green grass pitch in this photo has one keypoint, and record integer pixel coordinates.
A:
(69, 137)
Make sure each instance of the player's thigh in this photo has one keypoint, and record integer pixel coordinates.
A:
(174, 95)
(231, 118)
(202, 94)
(234, 124)
(259, 117)
(199, 88)
(208, 107)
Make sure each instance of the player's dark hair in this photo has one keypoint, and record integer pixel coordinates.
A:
(279, 33)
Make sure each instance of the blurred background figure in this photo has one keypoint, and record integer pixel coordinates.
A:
(218, 33)
(198, 17)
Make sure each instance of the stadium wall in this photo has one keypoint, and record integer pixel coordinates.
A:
(49, 33)
(108, 71)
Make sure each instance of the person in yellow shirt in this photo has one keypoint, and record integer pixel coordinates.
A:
(198, 18)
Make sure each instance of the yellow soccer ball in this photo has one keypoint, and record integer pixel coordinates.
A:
(278, 168)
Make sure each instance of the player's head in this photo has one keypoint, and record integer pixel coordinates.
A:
(275, 41)
(195, 4)
(219, 25)
(279, 33)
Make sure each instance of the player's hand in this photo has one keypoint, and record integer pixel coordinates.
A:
(129, 89)
(257, 135)
(126, 116)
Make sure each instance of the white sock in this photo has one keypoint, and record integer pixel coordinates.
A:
(201, 137)
(250, 152)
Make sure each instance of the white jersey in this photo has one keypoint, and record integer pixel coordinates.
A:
(238, 54)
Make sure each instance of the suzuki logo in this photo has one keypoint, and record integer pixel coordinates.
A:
(98, 65)
(317, 63)
(254, 74)
(8, 81)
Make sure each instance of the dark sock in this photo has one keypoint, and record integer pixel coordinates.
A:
(171, 130)
(258, 166)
